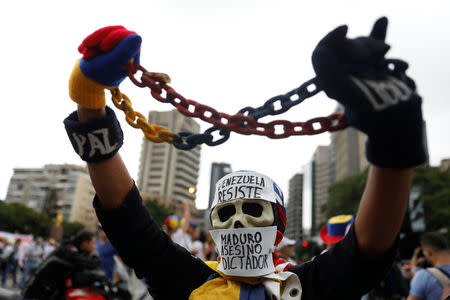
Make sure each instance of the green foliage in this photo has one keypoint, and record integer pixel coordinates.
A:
(71, 228)
(18, 218)
(344, 197)
(158, 211)
(435, 186)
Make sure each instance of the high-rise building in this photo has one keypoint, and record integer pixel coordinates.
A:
(218, 170)
(166, 173)
(445, 164)
(316, 180)
(294, 226)
(53, 189)
(308, 201)
(347, 152)
(203, 219)
(322, 180)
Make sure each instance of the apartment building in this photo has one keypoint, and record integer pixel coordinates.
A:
(53, 189)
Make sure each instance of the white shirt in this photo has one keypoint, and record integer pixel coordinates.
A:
(48, 248)
(183, 239)
(197, 245)
(8, 250)
(35, 253)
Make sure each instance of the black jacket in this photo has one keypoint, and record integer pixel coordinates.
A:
(173, 273)
(49, 280)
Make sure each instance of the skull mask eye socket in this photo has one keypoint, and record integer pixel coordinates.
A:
(253, 209)
(226, 212)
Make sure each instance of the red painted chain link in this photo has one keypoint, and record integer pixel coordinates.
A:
(239, 123)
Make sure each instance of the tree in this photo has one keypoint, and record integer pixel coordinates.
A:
(18, 218)
(435, 186)
(158, 211)
(344, 197)
(71, 228)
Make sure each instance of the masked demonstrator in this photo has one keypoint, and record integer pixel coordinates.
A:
(249, 217)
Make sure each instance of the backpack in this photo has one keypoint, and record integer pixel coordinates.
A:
(444, 280)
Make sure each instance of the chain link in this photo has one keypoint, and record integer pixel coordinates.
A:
(246, 120)
(287, 101)
(155, 133)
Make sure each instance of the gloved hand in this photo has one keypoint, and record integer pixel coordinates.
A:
(378, 97)
(106, 54)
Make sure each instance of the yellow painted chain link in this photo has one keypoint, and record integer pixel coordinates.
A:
(154, 133)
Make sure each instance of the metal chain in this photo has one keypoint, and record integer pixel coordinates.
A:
(155, 133)
(288, 100)
(245, 121)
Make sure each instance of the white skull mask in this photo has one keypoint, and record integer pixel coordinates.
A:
(244, 213)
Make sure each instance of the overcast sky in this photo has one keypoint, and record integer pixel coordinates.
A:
(226, 54)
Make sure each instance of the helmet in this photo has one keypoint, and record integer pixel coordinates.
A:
(248, 199)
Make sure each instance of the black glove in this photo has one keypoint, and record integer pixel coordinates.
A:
(378, 97)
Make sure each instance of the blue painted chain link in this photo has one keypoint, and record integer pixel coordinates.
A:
(188, 140)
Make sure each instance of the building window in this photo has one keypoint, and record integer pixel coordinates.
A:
(156, 161)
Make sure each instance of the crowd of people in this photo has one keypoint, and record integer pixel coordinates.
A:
(12, 261)
(40, 264)
(248, 213)
(186, 233)
(423, 276)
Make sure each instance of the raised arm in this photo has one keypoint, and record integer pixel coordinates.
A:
(380, 100)
(96, 136)
(186, 216)
(110, 178)
(94, 130)
(382, 208)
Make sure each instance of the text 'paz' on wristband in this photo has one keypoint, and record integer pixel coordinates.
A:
(96, 139)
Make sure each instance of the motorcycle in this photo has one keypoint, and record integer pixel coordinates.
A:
(69, 275)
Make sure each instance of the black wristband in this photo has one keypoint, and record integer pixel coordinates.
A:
(97, 139)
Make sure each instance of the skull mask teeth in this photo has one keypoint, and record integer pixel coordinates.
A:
(242, 213)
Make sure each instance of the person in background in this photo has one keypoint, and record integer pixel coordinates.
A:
(425, 284)
(418, 262)
(49, 247)
(198, 240)
(171, 224)
(393, 286)
(183, 235)
(407, 271)
(210, 248)
(3, 244)
(32, 258)
(356, 73)
(286, 249)
(11, 258)
(85, 243)
(335, 230)
(106, 252)
(66, 262)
